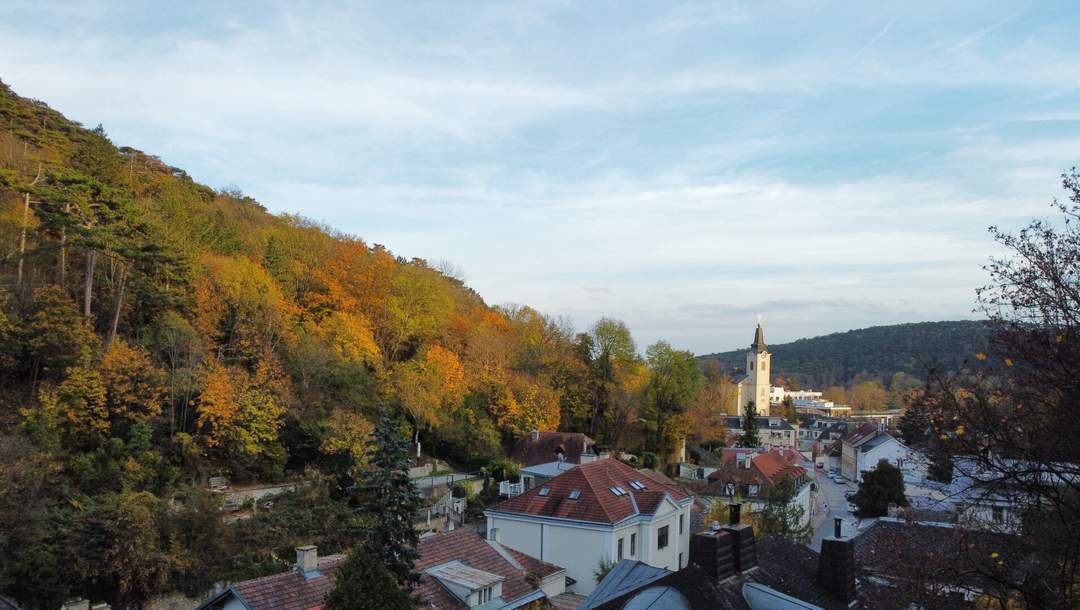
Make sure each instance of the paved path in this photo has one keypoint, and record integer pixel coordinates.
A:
(831, 494)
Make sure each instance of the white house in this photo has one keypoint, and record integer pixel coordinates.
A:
(863, 447)
(602, 511)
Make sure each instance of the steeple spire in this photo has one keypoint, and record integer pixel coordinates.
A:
(759, 340)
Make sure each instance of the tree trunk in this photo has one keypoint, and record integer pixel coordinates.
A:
(62, 263)
(22, 236)
(88, 285)
(25, 222)
(118, 307)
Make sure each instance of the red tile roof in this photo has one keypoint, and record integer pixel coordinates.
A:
(766, 469)
(289, 590)
(545, 448)
(596, 502)
(466, 546)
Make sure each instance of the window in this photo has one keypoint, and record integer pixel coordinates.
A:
(729, 489)
(545, 491)
(998, 514)
(633, 544)
(751, 365)
(619, 554)
(754, 490)
(574, 495)
(680, 561)
(486, 594)
(661, 538)
(682, 518)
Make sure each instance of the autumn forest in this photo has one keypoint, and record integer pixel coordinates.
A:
(155, 332)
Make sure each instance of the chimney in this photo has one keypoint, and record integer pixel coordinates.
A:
(711, 552)
(836, 565)
(743, 551)
(307, 561)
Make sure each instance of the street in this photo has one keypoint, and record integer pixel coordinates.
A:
(832, 495)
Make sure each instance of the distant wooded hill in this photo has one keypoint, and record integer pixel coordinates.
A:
(869, 353)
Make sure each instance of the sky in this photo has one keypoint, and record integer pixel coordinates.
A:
(682, 167)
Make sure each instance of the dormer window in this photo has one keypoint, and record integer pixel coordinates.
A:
(545, 491)
(471, 586)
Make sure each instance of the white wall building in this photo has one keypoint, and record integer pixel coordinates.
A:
(865, 446)
(777, 395)
(600, 511)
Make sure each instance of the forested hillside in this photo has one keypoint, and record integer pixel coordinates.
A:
(155, 332)
(874, 353)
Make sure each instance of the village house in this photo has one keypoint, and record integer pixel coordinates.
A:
(773, 431)
(458, 570)
(815, 429)
(863, 447)
(748, 477)
(543, 456)
(600, 511)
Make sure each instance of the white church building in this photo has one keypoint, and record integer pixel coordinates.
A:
(755, 386)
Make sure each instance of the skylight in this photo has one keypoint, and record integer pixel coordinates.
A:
(637, 485)
(622, 492)
(545, 491)
(616, 490)
(574, 495)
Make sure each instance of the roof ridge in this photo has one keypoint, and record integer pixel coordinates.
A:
(592, 488)
(502, 553)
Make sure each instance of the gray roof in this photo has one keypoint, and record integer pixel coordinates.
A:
(627, 575)
(784, 567)
(548, 470)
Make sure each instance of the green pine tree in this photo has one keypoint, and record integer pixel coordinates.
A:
(388, 500)
(784, 517)
(364, 582)
(880, 487)
(749, 437)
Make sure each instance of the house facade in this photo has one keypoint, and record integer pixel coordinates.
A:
(748, 477)
(601, 511)
(864, 447)
(772, 431)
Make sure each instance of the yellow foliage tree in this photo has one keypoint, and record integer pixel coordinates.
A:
(240, 412)
(134, 387)
(349, 434)
(531, 406)
(431, 386)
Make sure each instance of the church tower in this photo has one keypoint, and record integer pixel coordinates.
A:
(755, 386)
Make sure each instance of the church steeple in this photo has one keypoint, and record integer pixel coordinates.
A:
(759, 340)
